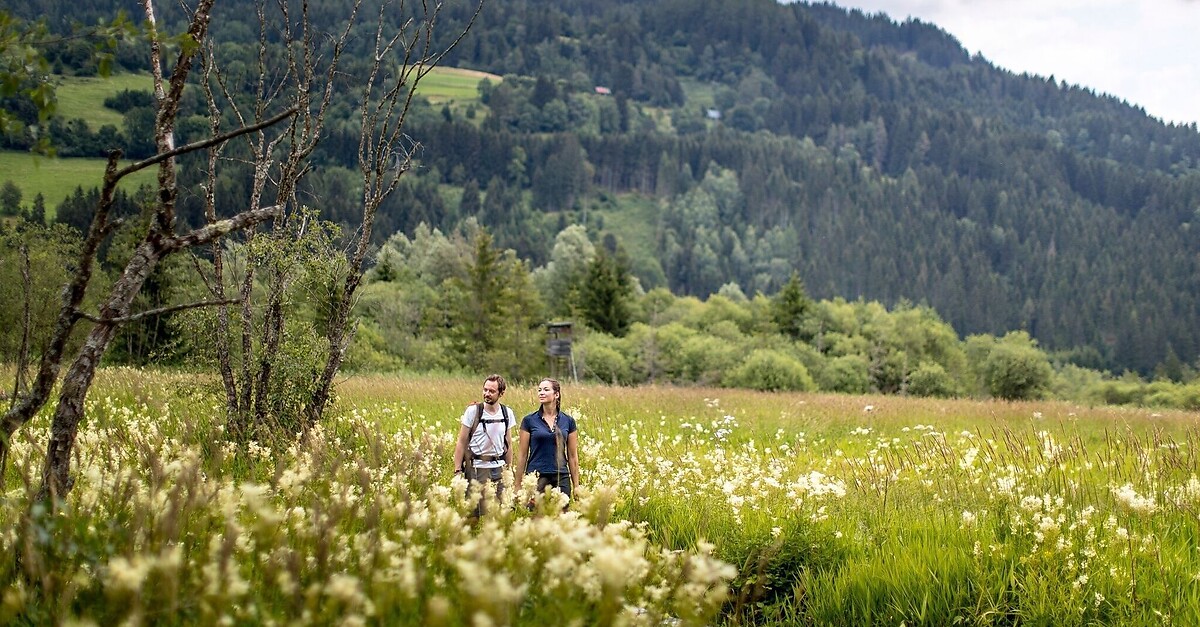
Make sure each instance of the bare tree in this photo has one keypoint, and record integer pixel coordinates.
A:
(384, 154)
(282, 124)
(158, 241)
(401, 56)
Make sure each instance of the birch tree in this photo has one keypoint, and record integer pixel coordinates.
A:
(281, 123)
(158, 240)
(251, 326)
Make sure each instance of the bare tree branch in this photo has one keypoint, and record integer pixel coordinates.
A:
(156, 312)
(210, 232)
(205, 143)
(157, 242)
(381, 134)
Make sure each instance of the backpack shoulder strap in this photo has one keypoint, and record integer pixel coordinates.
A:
(505, 414)
(478, 417)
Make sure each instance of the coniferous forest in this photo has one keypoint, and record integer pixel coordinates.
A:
(725, 147)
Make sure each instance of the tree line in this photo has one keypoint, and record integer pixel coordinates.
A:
(456, 302)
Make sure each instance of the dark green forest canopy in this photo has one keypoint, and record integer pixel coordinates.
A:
(876, 158)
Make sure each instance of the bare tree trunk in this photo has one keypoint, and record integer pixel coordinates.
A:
(217, 285)
(56, 480)
(19, 384)
(26, 321)
(158, 242)
(384, 155)
(68, 315)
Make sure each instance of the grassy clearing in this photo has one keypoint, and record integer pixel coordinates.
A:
(457, 89)
(57, 179)
(444, 85)
(83, 97)
(818, 509)
(78, 98)
(697, 93)
(631, 218)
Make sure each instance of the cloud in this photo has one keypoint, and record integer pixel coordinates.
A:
(1140, 52)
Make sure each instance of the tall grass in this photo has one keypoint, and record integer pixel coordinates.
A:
(359, 523)
(696, 506)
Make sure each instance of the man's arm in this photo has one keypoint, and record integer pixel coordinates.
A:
(460, 447)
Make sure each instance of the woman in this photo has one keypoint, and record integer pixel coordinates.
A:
(549, 443)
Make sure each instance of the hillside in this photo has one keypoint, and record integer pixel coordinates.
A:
(877, 158)
(882, 162)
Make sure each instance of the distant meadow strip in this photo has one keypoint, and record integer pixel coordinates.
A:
(749, 509)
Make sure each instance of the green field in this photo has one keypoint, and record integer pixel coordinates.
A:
(56, 179)
(83, 97)
(627, 217)
(453, 85)
(456, 89)
(697, 93)
(696, 506)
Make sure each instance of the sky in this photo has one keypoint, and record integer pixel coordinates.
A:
(1144, 52)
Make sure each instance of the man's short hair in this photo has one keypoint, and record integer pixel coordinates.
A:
(500, 384)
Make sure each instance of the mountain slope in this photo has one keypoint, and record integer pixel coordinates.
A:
(876, 158)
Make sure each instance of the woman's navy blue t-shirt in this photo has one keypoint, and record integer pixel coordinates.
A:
(542, 449)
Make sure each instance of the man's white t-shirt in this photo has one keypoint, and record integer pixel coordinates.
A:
(488, 439)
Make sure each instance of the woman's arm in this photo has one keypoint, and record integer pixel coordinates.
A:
(573, 458)
(522, 455)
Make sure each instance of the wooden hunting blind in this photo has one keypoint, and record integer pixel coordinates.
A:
(558, 348)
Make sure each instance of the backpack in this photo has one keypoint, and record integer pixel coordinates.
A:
(505, 415)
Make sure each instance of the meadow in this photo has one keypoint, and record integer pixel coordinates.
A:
(56, 179)
(447, 84)
(82, 97)
(697, 506)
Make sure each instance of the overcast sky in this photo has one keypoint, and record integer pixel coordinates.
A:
(1144, 52)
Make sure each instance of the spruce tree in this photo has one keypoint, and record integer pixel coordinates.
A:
(37, 214)
(790, 307)
(604, 296)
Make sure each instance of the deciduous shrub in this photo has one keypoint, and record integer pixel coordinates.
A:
(600, 358)
(847, 374)
(771, 370)
(1015, 372)
(931, 379)
(705, 358)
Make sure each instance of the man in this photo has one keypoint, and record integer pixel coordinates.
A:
(483, 448)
